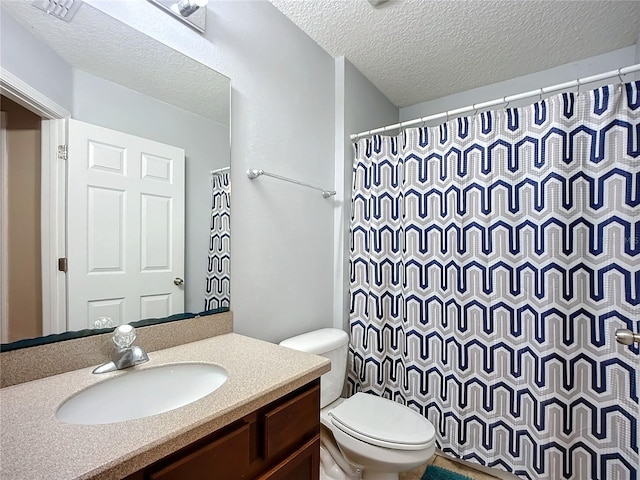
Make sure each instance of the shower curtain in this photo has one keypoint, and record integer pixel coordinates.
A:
(218, 264)
(492, 259)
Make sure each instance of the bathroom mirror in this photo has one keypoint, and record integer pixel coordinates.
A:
(124, 81)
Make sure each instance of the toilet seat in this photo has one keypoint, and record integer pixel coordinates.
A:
(382, 422)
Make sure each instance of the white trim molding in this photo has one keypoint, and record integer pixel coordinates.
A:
(53, 190)
(53, 226)
(24, 94)
(4, 232)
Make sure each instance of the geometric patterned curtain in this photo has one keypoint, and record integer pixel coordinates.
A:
(217, 290)
(492, 259)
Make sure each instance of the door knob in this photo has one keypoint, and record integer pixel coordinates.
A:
(627, 337)
(178, 281)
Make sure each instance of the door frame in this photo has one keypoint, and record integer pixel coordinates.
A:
(52, 197)
(4, 274)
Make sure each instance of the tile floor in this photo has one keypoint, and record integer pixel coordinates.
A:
(444, 462)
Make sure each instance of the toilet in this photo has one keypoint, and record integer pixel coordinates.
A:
(377, 437)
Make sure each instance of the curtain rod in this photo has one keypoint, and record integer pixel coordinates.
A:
(220, 170)
(511, 98)
(255, 173)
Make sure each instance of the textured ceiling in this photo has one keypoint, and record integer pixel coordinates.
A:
(418, 50)
(97, 43)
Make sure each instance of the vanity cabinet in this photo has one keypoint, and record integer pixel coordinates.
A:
(280, 441)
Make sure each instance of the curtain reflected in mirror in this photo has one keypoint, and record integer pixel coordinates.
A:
(217, 290)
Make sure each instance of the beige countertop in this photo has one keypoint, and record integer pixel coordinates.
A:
(35, 445)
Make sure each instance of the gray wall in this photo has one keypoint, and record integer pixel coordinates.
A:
(360, 106)
(206, 145)
(282, 121)
(26, 57)
(553, 76)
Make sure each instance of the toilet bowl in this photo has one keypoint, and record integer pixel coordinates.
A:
(379, 438)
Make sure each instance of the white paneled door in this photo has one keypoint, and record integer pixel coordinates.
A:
(125, 227)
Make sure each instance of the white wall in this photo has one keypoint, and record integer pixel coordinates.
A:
(282, 117)
(206, 145)
(26, 57)
(359, 106)
(553, 76)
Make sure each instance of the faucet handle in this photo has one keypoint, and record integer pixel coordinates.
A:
(124, 335)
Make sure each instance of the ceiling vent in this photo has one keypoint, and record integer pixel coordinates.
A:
(62, 9)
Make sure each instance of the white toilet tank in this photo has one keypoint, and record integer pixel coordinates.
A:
(331, 343)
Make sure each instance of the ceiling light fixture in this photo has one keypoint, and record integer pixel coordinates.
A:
(191, 12)
(188, 7)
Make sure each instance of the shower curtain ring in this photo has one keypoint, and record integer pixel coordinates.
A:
(475, 109)
(504, 100)
(620, 75)
(578, 91)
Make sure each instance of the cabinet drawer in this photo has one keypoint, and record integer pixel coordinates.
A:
(223, 459)
(292, 422)
(303, 464)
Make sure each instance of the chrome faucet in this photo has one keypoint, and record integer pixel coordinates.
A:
(124, 355)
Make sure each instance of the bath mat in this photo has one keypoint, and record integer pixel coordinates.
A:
(436, 473)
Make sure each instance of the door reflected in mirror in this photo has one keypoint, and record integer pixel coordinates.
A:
(110, 213)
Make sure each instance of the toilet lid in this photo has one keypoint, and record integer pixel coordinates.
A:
(382, 422)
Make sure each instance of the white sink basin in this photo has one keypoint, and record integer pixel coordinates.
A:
(142, 394)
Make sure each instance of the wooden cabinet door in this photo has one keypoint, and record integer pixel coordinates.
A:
(224, 459)
(280, 441)
(303, 464)
(292, 422)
